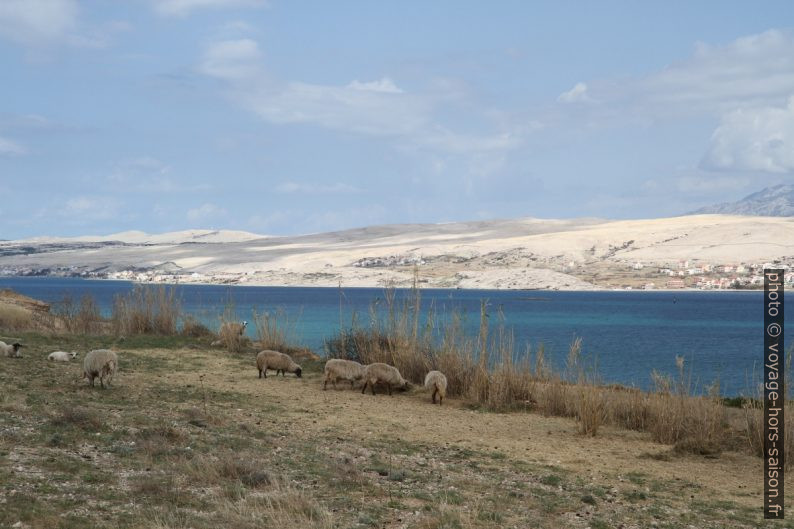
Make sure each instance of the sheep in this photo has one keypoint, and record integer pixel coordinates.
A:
(232, 328)
(336, 369)
(274, 360)
(101, 363)
(61, 356)
(11, 350)
(437, 381)
(384, 373)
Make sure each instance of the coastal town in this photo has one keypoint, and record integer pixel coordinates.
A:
(683, 274)
(689, 252)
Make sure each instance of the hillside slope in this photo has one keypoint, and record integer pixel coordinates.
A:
(522, 253)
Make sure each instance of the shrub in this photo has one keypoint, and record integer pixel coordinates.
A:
(147, 310)
(79, 317)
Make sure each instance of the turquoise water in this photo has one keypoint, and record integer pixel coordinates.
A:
(628, 333)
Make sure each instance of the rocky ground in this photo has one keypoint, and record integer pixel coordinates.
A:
(576, 254)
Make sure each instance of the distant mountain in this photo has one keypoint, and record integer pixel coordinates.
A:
(775, 201)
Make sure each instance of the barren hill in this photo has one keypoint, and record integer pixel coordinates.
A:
(521, 253)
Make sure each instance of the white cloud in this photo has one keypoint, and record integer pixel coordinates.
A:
(10, 148)
(704, 185)
(84, 208)
(147, 174)
(313, 188)
(746, 84)
(185, 7)
(577, 94)
(232, 60)
(750, 71)
(37, 21)
(205, 211)
(754, 139)
(381, 85)
(376, 108)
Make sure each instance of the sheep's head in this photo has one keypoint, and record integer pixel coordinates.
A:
(73, 354)
(298, 372)
(17, 346)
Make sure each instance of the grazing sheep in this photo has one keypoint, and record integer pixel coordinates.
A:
(274, 360)
(338, 369)
(437, 382)
(61, 356)
(101, 363)
(11, 350)
(383, 373)
(231, 328)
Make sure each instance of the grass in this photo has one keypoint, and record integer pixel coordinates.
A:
(14, 318)
(484, 370)
(161, 450)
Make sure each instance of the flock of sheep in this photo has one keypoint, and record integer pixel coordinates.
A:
(337, 369)
(348, 370)
(99, 363)
(103, 364)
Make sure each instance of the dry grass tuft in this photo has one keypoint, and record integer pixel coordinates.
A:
(84, 418)
(630, 408)
(79, 317)
(194, 328)
(147, 310)
(278, 505)
(753, 409)
(15, 318)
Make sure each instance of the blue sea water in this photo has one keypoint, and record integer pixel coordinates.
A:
(627, 333)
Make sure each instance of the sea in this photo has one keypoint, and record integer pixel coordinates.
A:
(625, 334)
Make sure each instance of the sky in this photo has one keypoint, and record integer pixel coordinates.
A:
(295, 117)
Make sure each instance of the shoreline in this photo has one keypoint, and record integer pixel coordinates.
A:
(595, 288)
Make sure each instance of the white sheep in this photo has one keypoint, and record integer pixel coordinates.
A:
(275, 360)
(384, 374)
(437, 382)
(338, 369)
(61, 356)
(11, 350)
(101, 363)
(231, 328)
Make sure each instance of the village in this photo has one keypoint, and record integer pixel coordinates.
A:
(707, 276)
(682, 274)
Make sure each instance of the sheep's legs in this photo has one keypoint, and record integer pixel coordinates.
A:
(364, 388)
(434, 395)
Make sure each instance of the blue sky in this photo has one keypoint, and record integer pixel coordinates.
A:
(295, 117)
